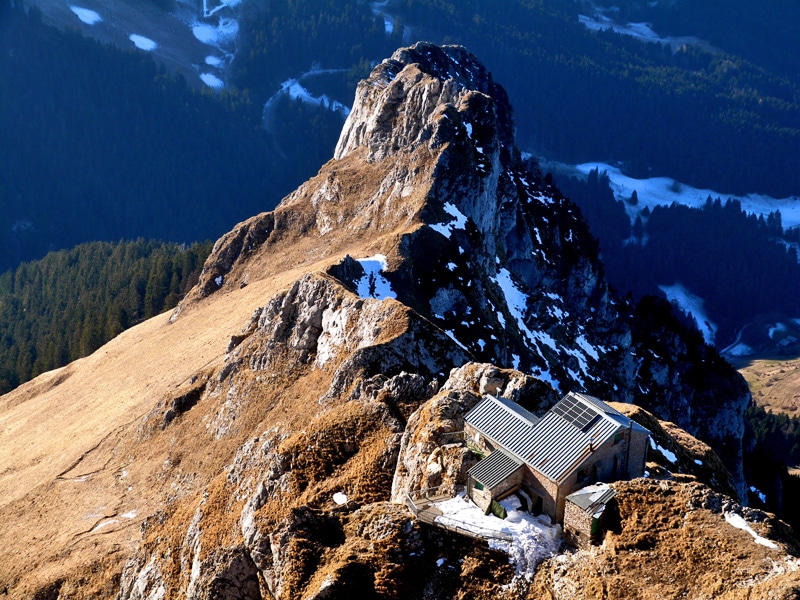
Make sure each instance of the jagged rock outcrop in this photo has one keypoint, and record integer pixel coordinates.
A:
(322, 365)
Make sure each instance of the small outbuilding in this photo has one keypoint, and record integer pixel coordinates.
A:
(578, 442)
(587, 513)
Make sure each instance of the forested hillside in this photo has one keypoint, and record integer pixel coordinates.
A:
(763, 33)
(742, 265)
(285, 39)
(68, 304)
(101, 144)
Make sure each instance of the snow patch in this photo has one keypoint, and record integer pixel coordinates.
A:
(373, 284)
(388, 20)
(517, 301)
(105, 523)
(739, 522)
(226, 30)
(776, 329)
(87, 16)
(668, 454)
(761, 495)
(130, 515)
(641, 31)
(584, 344)
(142, 42)
(546, 376)
(208, 12)
(212, 81)
(738, 350)
(459, 221)
(453, 337)
(213, 61)
(533, 539)
(296, 91)
(340, 498)
(219, 280)
(693, 305)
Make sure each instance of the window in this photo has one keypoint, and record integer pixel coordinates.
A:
(479, 485)
(589, 474)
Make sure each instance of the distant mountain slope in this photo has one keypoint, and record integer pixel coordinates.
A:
(742, 267)
(101, 144)
(764, 34)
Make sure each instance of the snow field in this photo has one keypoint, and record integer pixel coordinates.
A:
(692, 305)
(373, 284)
(663, 191)
(142, 42)
(533, 539)
(87, 16)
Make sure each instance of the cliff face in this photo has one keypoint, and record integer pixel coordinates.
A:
(319, 368)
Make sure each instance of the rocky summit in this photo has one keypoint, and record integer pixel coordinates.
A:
(259, 442)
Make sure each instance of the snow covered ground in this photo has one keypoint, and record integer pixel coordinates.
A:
(180, 37)
(533, 539)
(663, 191)
(87, 16)
(668, 454)
(739, 522)
(598, 21)
(142, 42)
(693, 305)
(373, 284)
(295, 89)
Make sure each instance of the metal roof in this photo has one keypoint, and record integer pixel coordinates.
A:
(556, 443)
(495, 468)
(593, 498)
(504, 421)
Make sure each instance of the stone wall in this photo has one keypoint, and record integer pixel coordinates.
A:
(577, 525)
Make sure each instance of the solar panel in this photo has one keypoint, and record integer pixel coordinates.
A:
(576, 413)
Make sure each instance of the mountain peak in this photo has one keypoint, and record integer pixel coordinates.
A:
(407, 99)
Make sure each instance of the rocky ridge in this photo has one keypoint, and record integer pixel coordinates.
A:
(425, 265)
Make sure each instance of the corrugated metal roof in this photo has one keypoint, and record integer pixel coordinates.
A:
(592, 497)
(610, 412)
(504, 421)
(553, 445)
(495, 468)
